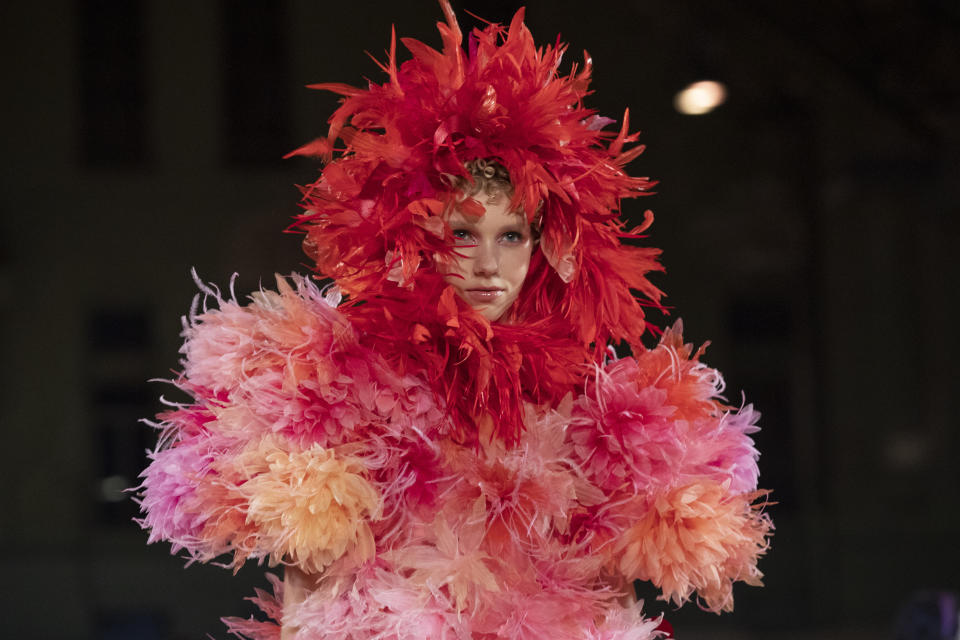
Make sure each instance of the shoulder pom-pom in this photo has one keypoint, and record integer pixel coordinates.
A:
(680, 473)
(627, 438)
(655, 420)
(254, 467)
(697, 538)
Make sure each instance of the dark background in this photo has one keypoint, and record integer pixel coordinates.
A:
(809, 229)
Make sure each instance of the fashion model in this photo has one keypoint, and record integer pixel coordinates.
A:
(442, 443)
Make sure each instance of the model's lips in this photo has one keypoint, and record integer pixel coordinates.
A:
(482, 294)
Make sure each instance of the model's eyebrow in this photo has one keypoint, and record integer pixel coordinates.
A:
(459, 219)
(520, 224)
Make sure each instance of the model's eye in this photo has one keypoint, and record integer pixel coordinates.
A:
(462, 236)
(513, 237)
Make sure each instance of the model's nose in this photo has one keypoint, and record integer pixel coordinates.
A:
(486, 261)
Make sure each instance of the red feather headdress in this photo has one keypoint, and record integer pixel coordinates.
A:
(374, 221)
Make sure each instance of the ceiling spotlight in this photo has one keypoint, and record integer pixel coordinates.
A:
(700, 97)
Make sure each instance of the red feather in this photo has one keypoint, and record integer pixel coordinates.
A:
(374, 220)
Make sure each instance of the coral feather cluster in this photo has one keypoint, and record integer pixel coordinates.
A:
(436, 474)
(311, 506)
(696, 538)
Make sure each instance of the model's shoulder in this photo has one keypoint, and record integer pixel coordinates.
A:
(296, 320)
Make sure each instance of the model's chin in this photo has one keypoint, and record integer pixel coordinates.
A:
(490, 313)
(496, 312)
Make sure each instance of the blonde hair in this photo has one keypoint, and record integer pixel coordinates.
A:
(489, 177)
(492, 179)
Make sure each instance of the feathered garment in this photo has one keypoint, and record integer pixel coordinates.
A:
(444, 476)
(303, 446)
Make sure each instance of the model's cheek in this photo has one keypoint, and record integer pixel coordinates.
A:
(518, 267)
(453, 269)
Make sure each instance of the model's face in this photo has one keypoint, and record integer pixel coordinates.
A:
(495, 256)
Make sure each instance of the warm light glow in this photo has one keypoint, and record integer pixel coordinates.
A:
(700, 97)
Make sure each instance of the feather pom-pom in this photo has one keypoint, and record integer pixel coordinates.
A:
(626, 437)
(226, 345)
(282, 358)
(311, 507)
(169, 493)
(697, 538)
(658, 421)
(189, 498)
(691, 386)
(720, 448)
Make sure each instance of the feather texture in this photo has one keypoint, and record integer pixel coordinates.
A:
(404, 141)
(440, 475)
(313, 450)
(697, 538)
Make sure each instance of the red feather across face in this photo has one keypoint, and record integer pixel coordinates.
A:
(375, 219)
